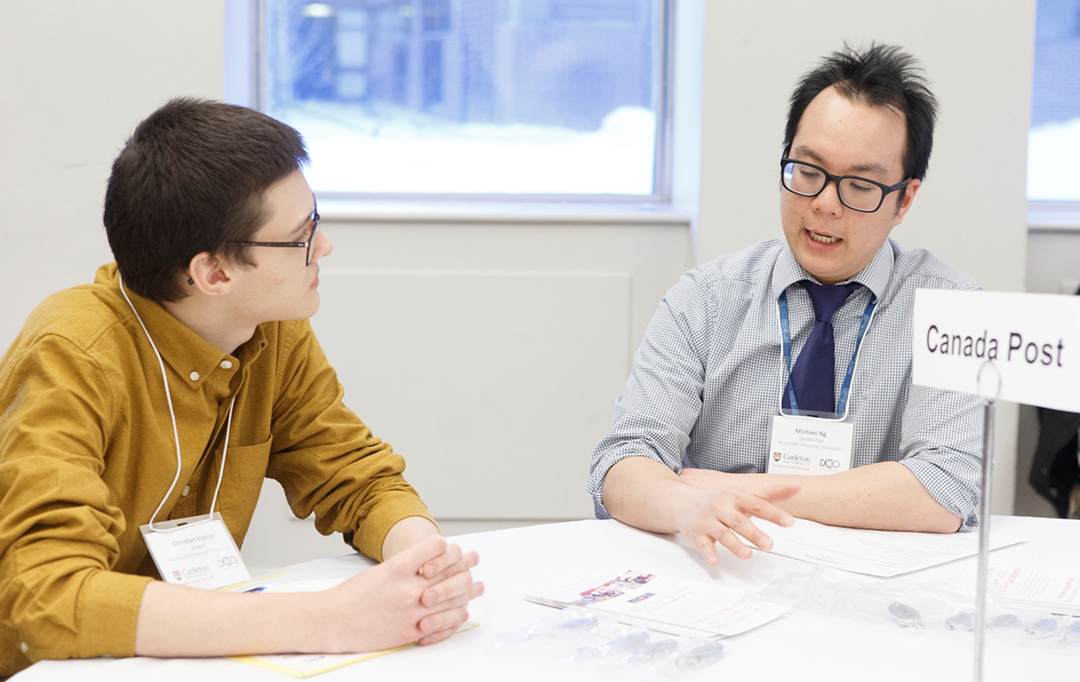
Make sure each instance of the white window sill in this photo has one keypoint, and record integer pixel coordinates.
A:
(383, 211)
(1048, 217)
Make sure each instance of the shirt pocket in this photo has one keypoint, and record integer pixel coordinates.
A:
(245, 469)
(247, 462)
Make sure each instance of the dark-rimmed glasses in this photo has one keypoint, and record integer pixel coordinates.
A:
(305, 244)
(858, 194)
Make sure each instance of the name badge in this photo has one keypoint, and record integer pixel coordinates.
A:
(197, 551)
(806, 446)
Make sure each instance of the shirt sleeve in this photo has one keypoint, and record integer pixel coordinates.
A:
(327, 460)
(940, 444)
(59, 526)
(655, 415)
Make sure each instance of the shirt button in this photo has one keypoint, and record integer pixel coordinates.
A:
(22, 645)
(226, 364)
(187, 489)
(194, 376)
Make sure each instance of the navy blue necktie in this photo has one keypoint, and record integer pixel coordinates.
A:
(813, 375)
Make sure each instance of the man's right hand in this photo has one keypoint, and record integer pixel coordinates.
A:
(706, 516)
(395, 603)
(644, 493)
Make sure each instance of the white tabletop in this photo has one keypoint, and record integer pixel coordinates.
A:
(796, 647)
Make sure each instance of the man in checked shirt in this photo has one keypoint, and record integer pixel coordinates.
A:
(709, 401)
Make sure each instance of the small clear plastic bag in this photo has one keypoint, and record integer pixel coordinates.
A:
(587, 640)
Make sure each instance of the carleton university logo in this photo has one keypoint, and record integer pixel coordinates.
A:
(776, 456)
(176, 574)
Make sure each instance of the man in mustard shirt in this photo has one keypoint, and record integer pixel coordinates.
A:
(94, 443)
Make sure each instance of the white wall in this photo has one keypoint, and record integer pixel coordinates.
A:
(75, 79)
(76, 76)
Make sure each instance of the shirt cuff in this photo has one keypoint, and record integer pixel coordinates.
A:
(108, 616)
(368, 539)
(950, 492)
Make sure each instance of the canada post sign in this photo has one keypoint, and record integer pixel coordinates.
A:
(1033, 339)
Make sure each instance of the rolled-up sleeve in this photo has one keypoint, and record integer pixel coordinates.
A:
(940, 446)
(655, 415)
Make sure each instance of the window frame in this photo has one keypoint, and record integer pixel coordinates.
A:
(1053, 215)
(663, 167)
(1044, 215)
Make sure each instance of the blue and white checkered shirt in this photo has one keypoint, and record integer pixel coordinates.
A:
(710, 370)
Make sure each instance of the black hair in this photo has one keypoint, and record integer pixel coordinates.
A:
(191, 179)
(882, 75)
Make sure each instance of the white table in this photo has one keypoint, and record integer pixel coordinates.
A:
(796, 648)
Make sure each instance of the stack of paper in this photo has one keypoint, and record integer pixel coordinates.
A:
(882, 553)
(1038, 588)
(660, 603)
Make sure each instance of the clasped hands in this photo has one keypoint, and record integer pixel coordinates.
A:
(717, 505)
(419, 595)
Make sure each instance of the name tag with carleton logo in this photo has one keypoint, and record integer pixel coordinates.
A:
(197, 551)
(808, 446)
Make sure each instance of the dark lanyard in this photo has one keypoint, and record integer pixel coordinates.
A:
(785, 335)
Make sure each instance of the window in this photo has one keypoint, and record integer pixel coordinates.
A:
(1054, 139)
(500, 99)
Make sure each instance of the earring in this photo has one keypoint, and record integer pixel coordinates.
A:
(190, 282)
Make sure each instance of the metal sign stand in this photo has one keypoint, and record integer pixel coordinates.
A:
(984, 513)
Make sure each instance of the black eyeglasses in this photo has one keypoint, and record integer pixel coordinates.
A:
(858, 194)
(305, 244)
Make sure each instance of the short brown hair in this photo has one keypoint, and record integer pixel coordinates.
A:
(191, 179)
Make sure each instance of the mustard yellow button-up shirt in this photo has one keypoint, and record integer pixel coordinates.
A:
(87, 453)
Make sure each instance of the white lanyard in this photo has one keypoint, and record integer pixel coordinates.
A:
(176, 433)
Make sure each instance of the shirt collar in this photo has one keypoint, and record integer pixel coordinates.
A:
(190, 355)
(875, 276)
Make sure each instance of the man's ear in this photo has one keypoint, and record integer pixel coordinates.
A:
(209, 274)
(905, 202)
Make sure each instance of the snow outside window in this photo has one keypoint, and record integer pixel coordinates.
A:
(1053, 173)
(499, 98)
